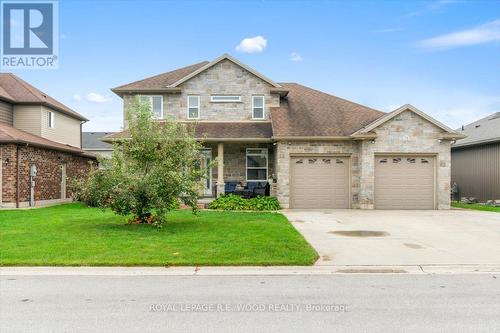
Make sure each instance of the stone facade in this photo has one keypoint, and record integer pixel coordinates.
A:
(287, 149)
(235, 161)
(49, 176)
(406, 133)
(227, 78)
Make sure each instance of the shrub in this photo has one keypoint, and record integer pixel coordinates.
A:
(149, 172)
(234, 202)
(92, 190)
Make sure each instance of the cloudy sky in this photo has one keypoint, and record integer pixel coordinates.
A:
(441, 56)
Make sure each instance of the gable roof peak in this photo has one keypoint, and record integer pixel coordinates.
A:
(408, 107)
(15, 90)
(222, 57)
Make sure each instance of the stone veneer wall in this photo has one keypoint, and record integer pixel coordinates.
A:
(235, 161)
(285, 149)
(406, 133)
(223, 78)
(48, 180)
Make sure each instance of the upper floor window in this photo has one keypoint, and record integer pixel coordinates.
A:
(258, 107)
(50, 119)
(193, 109)
(156, 103)
(225, 98)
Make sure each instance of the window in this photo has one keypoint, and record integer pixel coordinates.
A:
(225, 98)
(50, 119)
(258, 107)
(256, 164)
(193, 107)
(156, 103)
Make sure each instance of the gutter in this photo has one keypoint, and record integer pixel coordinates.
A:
(272, 139)
(65, 150)
(475, 143)
(235, 139)
(325, 138)
(121, 92)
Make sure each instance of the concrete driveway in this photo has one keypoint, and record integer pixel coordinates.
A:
(364, 237)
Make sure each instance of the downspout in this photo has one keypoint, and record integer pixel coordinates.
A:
(18, 173)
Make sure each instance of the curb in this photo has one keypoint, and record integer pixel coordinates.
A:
(249, 270)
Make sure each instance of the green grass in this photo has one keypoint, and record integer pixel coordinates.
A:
(75, 235)
(476, 207)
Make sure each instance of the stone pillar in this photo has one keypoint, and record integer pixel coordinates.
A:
(220, 169)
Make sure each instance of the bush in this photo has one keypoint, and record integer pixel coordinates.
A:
(234, 202)
(149, 172)
(92, 190)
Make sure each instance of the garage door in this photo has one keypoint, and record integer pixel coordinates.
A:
(404, 182)
(319, 182)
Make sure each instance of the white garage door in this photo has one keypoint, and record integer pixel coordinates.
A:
(319, 182)
(404, 182)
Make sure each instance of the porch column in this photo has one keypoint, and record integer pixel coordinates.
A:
(220, 169)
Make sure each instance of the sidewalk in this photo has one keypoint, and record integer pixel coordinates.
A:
(250, 270)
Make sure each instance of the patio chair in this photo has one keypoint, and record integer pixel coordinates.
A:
(230, 186)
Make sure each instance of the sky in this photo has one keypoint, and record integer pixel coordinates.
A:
(442, 56)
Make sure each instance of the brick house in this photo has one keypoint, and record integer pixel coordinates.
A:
(314, 150)
(37, 132)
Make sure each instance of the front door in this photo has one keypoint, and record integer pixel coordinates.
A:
(206, 161)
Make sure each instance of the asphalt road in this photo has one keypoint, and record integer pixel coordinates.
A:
(350, 303)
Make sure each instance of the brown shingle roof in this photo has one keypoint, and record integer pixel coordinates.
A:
(219, 130)
(18, 91)
(308, 112)
(9, 134)
(160, 81)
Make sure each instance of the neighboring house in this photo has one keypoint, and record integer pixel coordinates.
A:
(316, 150)
(476, 159)
(37, 132)
(91, 142)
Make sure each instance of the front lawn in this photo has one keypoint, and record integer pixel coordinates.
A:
(75, 235)
(476, 207)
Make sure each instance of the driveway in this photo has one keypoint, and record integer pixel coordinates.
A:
(373, 237)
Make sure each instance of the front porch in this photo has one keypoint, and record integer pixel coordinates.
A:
(243, 168)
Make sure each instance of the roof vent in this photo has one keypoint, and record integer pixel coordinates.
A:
(477, 126)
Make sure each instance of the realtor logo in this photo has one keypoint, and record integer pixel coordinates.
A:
(29, 34)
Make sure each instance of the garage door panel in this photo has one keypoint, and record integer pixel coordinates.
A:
(319, 182)
(404, 182)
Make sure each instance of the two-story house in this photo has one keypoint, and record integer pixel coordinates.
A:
(40, 146)
(314, 149)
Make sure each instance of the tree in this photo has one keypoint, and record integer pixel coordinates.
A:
(151, 171)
